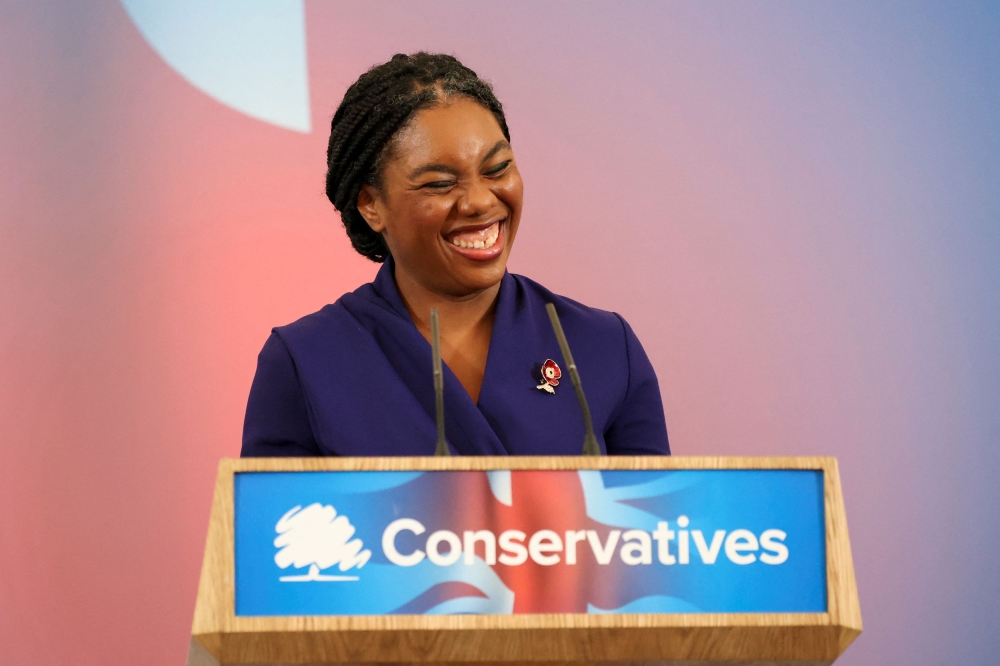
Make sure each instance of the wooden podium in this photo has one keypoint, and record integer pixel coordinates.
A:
(224, 634)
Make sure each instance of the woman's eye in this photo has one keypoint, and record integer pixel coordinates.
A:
(498, 169)
(438, 184)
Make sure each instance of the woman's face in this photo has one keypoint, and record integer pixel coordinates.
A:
(450, 199)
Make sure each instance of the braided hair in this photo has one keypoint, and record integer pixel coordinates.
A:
(374, 110)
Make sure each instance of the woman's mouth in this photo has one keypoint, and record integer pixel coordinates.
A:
(478, 243)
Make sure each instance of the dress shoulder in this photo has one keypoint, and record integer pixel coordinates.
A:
(601, 321)
(345, 316)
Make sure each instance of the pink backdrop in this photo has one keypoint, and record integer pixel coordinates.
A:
(795, 205)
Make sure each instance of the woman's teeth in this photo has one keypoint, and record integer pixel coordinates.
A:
(491, 235)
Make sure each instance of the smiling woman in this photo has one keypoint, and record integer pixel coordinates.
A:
(421, 168)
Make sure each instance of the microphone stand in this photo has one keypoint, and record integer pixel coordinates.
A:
(442, 445)
(590, 445)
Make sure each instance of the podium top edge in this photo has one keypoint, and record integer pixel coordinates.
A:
(486, 463)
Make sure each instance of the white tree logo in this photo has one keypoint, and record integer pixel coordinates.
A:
(318, 538)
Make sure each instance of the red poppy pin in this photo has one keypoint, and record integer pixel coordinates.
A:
(550, 376)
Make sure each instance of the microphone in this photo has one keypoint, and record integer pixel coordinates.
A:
(442, 445)
(590, 445)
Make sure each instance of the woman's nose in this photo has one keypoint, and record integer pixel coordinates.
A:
(478, 199)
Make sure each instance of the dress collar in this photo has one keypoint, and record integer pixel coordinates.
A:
(385, 286)
(468, 429)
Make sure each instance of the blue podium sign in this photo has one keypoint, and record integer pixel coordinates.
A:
(529, 541)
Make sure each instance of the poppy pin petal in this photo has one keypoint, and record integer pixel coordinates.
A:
(550, 376)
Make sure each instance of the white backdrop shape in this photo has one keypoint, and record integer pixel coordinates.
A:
(248, 54)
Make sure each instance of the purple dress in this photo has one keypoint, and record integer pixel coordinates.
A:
(354, 379)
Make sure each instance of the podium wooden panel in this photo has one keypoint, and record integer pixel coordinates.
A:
(219, 636)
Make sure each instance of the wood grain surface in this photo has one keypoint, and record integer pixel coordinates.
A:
(717, 638)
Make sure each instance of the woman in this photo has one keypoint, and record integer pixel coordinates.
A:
(421, 168)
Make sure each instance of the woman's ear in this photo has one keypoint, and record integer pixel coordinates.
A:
(370, 208)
